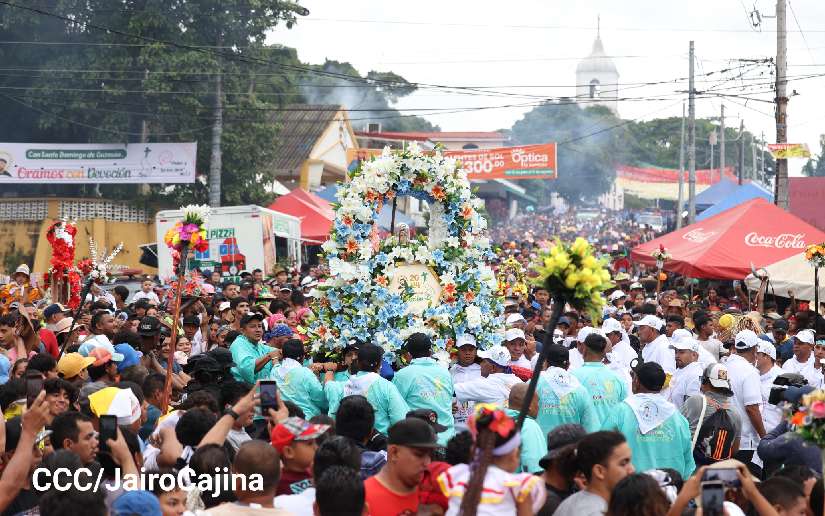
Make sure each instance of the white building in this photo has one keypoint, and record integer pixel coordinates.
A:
(597, 79)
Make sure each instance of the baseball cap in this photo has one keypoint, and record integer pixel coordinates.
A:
(684, 344)
(295, 429)
(285, 288)
(636, 286)
(465, 339)
(650, 375)
(747, 339)
(191, 320)
(90, 345)
(251, 316)
(773, 316)
(513, 334)
(131, 356)
(136, 502)
(585, 332)
(71, 364)
(780, 324)
(224, 305)
(309, 281)
(412, 432)
(429, 416)
(767, 348)
(676, 303)
(560, 437)
(101, 356)
(564, 320)
(514, 318)
(717, 375)
(616, 294)
(149, 326)
(282, 330)
(557, 353)
(650, 320)
(498, 355)
(54, 309)
(806, 336)
(611, 325)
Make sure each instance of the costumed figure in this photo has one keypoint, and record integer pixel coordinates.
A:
(63, 278)
(19, 290)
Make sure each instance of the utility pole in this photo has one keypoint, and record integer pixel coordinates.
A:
(722, 144)
(215, 158)
(753, 174)
(762, 157)
(781, 193)
(691, 143)
(680, 204)
(741, 150)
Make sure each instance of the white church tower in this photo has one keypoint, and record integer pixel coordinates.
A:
(597, 78)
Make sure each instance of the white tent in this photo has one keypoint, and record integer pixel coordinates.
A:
(793, 273)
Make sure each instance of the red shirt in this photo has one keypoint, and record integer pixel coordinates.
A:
(293, 482)
(383, 502)
(49, 342)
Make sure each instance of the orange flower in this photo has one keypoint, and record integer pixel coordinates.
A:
(798, 418)
(438, 193)
(322, 331)
(352, 246)
(372, 195)
(466, 211)
(382, 280)
(347, 220)
(449, 289)
(469, 296)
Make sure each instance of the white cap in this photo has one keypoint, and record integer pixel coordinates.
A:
(717, 374)
(513, 334)
(681, 333)
(514, 318)
(498, 355)
(684, 344)
(767, 348)
(636, 285)
(465, 339)
(650, 320)
(587, 330)
(747, 339)
(309, 281)
(314, 293)
(806, 336)
(223, 306)
(611, 325)
(616, 294)
(558, 336)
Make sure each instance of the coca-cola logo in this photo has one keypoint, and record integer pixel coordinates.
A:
(783, 241)
(698, 235)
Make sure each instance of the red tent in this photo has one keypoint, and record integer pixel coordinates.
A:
(724, 246)
(315, 213)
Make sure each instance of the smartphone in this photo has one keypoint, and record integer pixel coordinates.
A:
(108, 429)
(713, 496)
(269, 395)
(34, 384)
(728, 476)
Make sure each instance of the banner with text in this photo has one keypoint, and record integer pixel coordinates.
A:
(513, 163)
(789, 150)
(97, 163)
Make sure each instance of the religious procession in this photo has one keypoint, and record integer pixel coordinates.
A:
(233, 282)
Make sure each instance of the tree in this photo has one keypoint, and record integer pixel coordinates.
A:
(815, 167)
(590, 145)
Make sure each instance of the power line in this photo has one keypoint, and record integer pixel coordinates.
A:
(804, 39)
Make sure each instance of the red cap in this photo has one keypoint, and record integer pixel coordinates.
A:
(295, 429)
(101, 356)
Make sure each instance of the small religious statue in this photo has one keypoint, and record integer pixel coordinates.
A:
(403, 234)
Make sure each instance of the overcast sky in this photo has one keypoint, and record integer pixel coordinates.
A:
(538, 43)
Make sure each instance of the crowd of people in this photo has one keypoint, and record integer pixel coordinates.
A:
(671, 399)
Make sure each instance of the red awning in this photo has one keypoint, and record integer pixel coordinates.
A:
(315, 213)
(725, 245)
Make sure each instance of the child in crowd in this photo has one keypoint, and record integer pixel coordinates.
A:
(295, 440)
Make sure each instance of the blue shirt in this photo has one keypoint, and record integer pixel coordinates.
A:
(533, 443)
(388, 404)
(426, 384)
(575, 406)
(300, 386)
(606, 389)
(244, 354)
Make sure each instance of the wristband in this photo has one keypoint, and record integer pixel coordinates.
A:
(230, 412)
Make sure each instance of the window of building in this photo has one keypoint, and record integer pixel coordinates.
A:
(469, 146)
(595, 89)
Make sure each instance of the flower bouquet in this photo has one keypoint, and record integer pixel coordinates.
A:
(808, 420)
(661, 256)
(63, 278)
(815, 254)
(189, 233)
(192, 288)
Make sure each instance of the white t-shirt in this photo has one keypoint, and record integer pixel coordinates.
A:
(493, 389)
(712, 346)
(771, 414)
(744, 381)
(659, 351)
(521, 362)
(297, 504)
(463, 374)
(807, 369)
(685, 383)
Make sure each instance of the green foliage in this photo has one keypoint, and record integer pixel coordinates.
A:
(815, 167)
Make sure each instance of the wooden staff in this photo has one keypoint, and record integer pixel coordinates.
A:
(76, 316)
(170, 359)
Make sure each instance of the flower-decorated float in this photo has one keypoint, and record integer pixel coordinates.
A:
(384, 290)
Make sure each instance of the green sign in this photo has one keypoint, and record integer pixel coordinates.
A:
(76, 153)
(220, 233)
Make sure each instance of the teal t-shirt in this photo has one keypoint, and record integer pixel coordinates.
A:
(533, 443)
(388, 404)
(666, 446)
(244, 354)
(426, 384)
(575, 406)
(300, 386)
(605, 387)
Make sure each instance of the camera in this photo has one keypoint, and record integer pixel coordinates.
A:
(782, 383)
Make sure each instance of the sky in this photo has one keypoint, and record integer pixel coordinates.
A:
(523, 51)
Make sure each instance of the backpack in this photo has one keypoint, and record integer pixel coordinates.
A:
(714, 438)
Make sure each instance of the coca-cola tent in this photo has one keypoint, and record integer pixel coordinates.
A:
(724, 246)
